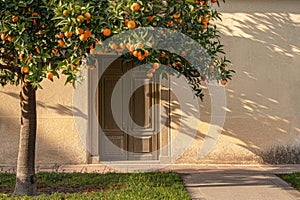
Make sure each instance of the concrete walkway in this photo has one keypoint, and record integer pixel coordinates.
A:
(238, 183)
(212, 182)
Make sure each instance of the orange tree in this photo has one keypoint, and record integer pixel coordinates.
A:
(49, 38)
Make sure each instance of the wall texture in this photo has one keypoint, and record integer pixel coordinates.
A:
(261, 39)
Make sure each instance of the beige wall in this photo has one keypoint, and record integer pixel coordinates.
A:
(57, 138)
(261, 39)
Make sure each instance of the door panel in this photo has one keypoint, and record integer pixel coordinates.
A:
(141, 142)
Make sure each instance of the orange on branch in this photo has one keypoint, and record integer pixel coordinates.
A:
(3, 37)
(106, 32)
(141, 58)
(9, 38)
(126, 22)
(146, 53)
(87, 16)
(204, 26)
(135, 53)
(135, 7)
(25, 70)
(69, 34)
(176, 15)
(37, 50)
(87, 33)
(35, 14)
(15, 19)
(150, 18)
(55, 51)
(50, 76)
(170, 23)
(224, 82)
(65, 13)
(80, 31)
(131, 24)
(214, 1)
(61, 43)
(82, 37)
(80, 18)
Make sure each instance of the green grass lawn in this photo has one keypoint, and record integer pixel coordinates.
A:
(293, 179)
(153, 185)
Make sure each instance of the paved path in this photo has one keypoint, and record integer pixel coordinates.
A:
(238, 183)
(212, 182)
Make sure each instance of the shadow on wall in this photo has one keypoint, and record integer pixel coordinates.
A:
(263, 99)
(57, 142)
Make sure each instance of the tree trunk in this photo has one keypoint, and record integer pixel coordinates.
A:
(25, 179)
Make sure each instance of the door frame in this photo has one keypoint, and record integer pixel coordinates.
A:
(94, 133)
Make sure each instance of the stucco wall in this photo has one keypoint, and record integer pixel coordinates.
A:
(57, 138)
(260, 38)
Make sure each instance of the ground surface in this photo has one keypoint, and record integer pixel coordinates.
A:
(154, 185)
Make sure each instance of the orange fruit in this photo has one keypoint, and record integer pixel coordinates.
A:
(65, 13)
(205, 20)
(80, 18)
(69, 34)
(87, 16)
(50, 76)
(3, 36)
(135, 53)
(126, 22)
(132, 48)
(146, 53)
(155, 65)
(211, 68)
(80, 31)
(223, 67)
(37, 50)
(25, 70)
(150, 18)
(163, 54)
(54, 51)
(61, 43)
(21, 57)
(224, 82)
(149, 75)
(29, 10)
(141, 58)
(131, 24)
(180, 21)
(87, 33)
(178, 64)
(135, 7)
(60, 36)
(106, 32)
(9, 38)
(204, 26)
(27, 59)
(82, 37)
(34, 21)
(15, 19)
(170, 23)
(35, 14)
(176, 15)
(214, 1)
